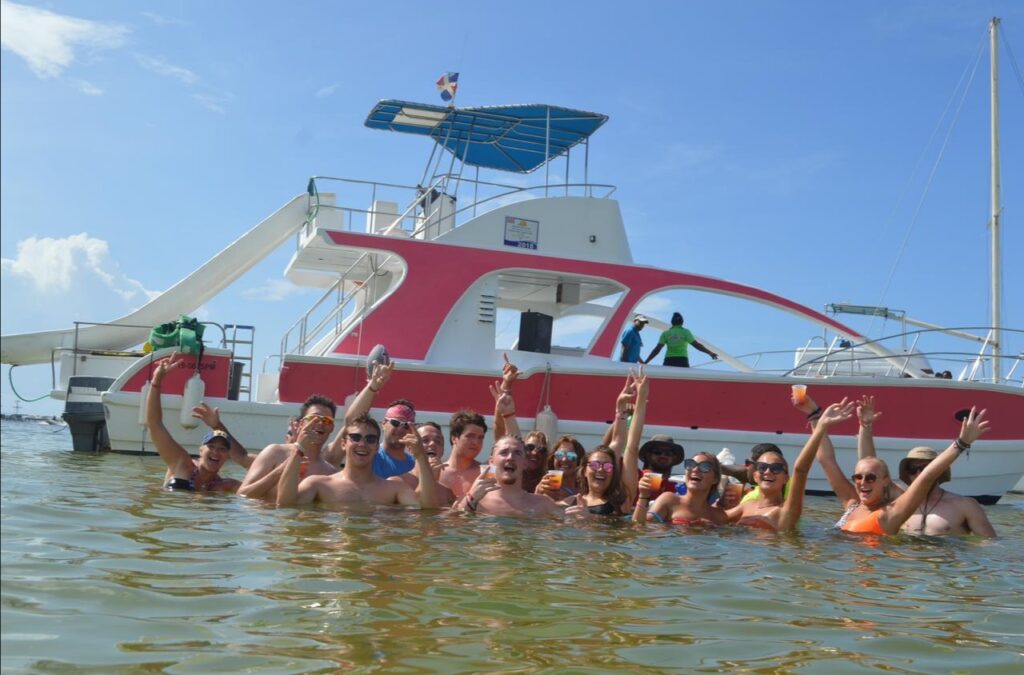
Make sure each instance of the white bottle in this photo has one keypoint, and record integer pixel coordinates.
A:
(195, 388)
(547, 422)
(142, 404)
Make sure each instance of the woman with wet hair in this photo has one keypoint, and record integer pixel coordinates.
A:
(702, 473)
(870, 506)
(776, 508)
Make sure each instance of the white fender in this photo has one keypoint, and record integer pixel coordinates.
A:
(195, 388)
(547, 422)
(142, 404)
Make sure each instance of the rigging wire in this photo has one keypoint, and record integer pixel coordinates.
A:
(1013, 59)
(935, 166)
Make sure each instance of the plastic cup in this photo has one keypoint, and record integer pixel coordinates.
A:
(488, 472)
(800, 393)
(656, 479)
(735, 490)
(555, 478)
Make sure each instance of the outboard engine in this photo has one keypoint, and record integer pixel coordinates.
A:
(83, 411)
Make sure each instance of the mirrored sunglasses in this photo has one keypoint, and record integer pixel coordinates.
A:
(325, 420)
(595, 465)
(566, 454)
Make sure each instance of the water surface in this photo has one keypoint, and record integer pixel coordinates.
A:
(104, 572)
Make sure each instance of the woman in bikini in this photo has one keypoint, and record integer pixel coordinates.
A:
(693, 508)
(870, 508)
(775, 508)
(183, 472)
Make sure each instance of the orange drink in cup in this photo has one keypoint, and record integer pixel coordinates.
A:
(800, 393)
(488, 472)
(655, 480)
(555, 478)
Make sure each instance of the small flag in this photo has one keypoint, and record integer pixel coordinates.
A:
(447, 85)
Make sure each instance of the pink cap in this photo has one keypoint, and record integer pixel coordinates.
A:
(401, 412)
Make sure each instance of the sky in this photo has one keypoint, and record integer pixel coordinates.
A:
(791, 146)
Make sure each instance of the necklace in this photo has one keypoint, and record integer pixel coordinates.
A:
(925, 511)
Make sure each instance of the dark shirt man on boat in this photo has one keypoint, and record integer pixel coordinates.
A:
(467, 429)
(357, 483)
(316, 421)
(500, 492)
(676, 339)
(631, 341)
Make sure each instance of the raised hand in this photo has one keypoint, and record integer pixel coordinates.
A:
(504, 404)
(625, 400)
(973, 426)
(485, 482)
(645, 487)
(164, 366)
(643, 385)
(413, 443)
(837, 412)
(209, 416)
(509, 373)
(381, 375)
(866, 412)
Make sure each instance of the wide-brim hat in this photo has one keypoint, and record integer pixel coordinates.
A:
(921, 453)
(663, 440)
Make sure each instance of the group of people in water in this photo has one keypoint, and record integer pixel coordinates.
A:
(398, 462)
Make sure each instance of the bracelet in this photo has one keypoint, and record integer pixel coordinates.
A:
(814, 414)
(469, 503)
(960, 445)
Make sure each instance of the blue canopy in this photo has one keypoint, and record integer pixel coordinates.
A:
(516, 138)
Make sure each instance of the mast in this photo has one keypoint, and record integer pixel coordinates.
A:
(994, 222)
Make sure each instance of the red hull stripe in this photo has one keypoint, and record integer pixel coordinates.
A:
(214, 373)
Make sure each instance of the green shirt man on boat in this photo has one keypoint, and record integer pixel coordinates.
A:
(677, 339)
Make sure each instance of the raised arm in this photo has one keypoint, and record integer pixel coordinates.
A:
(630, 458)
(288, 481)
(845, 491)
(865, 435)
(175, 457)
(211, 418)
(427, 488)
(504, 407)
(789, 513)
(623, 403)
(364, 399)
(973, 426)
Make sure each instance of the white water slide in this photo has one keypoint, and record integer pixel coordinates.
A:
(182, 298)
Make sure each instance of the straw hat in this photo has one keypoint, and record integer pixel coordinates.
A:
(925, 454)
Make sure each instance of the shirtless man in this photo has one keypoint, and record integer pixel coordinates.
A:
(942, 512)
(316, 420)
(500, 492)
(357, 483)
(433, 444)
(467, 430)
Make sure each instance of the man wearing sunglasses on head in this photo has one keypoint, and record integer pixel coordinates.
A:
(315, 424)
(357, 483)
(941, 512)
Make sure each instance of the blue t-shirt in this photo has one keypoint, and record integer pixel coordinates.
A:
(386, 467)
(632, 342)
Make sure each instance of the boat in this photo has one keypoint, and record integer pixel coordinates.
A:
(431, 269)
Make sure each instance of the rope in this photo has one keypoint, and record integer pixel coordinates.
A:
(10, 381)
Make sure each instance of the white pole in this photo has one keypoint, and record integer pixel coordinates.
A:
(996, 271)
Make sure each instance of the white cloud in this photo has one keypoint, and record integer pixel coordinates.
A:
(324, 92)
(53, 266)
(47, 41)
(275, 290)
(211, 101)
(161, 67)
(88, 88)
(161, 20)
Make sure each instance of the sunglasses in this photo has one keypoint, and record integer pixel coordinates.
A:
(704, 467)
(533, 447)
(566, 454)
(319, 419)
(396, 423)
(774, 467)
(914, 469)
(662, 450)
(865, 477)
(595, 465)
(371, 439)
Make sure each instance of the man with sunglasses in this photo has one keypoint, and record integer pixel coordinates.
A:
(316, 421)
(942, 512)
(357, 483)
(659, 455)
(499, 490)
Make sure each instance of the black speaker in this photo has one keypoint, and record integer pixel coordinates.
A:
(535, 332)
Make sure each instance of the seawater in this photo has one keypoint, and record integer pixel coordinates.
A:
(105, 572)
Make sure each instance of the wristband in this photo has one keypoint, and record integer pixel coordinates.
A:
(814, 414)
(960, 445)
(511, 414)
